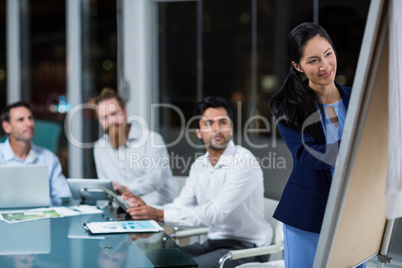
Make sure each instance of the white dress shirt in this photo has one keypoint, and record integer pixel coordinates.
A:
(228, 198)
(39, 155)
(143, 165)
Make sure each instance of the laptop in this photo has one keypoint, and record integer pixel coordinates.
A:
(24, 186)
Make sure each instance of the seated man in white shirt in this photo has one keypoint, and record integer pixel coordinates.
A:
(133, 157)
(18, 122)
(224, 191)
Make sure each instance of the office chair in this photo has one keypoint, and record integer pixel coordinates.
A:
(47, 134)
(276, 247)
(196, 234)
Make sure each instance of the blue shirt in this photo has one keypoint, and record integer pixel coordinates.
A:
(331, 132)
(305, 196)
(38, 155)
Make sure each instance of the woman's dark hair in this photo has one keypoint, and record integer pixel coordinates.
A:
(296, 101)
(210, 102)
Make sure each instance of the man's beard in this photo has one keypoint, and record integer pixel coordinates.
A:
(213, 146)
(118, 134)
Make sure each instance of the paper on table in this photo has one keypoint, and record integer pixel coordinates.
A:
(28, 215)
(78, 210)
(14, 216)
(109, 227)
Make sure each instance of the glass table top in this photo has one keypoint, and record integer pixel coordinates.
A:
(63, 242)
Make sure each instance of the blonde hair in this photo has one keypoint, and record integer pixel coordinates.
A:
(107, 94)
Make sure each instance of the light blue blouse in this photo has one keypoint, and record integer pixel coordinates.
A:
(331, 132)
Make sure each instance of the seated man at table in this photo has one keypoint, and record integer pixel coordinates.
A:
(18, 122)
(224, 191)
(133, 157)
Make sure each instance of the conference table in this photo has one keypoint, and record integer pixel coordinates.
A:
(63, 242)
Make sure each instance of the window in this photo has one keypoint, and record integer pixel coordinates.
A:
(43, 64)
(237, 50)
(99, 65)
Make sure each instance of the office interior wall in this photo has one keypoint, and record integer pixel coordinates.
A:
(74, 121)
(13, 58)
(138, 23)
(3, 69)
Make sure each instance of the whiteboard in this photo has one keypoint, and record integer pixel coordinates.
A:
(355, 217)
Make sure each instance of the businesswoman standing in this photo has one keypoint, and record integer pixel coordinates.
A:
(310, 115)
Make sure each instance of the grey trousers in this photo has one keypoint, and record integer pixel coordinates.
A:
(207, 255)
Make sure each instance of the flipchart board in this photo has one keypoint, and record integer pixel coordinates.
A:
(355, 216)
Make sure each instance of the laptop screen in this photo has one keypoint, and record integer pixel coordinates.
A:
(24, 186)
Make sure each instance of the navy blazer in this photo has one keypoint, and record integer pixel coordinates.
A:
(304, 198)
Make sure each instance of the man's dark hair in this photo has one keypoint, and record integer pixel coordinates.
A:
(5, 112)
(210, 102)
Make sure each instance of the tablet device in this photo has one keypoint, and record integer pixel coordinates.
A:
(117, 199)
(88, 190)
